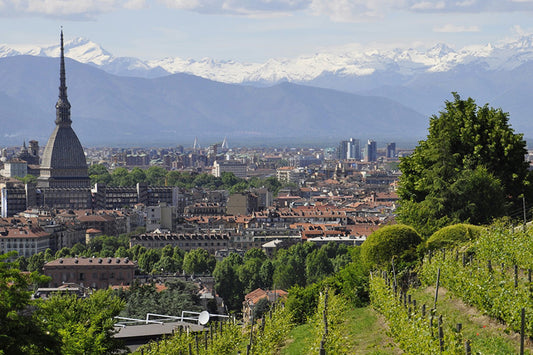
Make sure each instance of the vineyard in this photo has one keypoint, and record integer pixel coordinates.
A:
(475, 298)
(492, 274)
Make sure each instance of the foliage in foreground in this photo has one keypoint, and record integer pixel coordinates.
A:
(487, 280)
(414, 332)
(267, 337)
(21, 332)
(471, 168)
(84, 325)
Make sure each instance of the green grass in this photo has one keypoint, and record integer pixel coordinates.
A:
(299, 337)
(363, 329)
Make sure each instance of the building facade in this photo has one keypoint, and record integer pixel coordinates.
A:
(97, 273)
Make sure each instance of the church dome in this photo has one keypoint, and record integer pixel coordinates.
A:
(63, 161)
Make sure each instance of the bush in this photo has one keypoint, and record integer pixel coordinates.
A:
(453, 235)
(395, 240)
(302, 302)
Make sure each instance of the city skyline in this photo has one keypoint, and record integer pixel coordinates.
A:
(261, 30)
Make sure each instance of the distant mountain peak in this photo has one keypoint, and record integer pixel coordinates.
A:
(353, 61)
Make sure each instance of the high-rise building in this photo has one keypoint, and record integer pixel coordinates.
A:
(391, 150)
(371, 151)
(63, 162)
(349, 149)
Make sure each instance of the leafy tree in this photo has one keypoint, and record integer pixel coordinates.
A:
(227, 282)
(167, 264)
(28, 179)
(22, 263)
(471, 168)
(36, 262)
(105, 246)
(84, 325)
(121, 177)
(155, 176)
(318, 265)
(122, 252)
(273, 185)
(261, 307)
(352, 280)
(137, 175)
(148, 259)
(255, 253)
(399, 241)
(249, 274)
(302, 302)
(198, 262)
(142, 299)
(229, 179)
(98, 174)
(290, 266)
(266, 273)
(20, 331)
(63, 253)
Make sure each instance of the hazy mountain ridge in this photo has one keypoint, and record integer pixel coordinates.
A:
(109, 109)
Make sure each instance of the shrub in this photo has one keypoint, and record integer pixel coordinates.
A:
(397, 240)
(453, 235)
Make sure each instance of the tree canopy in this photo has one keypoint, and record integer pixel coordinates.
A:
(471, 168)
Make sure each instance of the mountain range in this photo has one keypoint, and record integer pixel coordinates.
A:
(113, 110)
(354, 92)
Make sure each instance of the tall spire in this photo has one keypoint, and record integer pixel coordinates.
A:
(62, 105)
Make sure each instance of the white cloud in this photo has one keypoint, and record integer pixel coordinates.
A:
(354, 10)
(83, 9)
(428, 5)
(450, 28)
(337, 10)
(238, 7)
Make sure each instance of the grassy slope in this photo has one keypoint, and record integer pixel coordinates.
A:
(367, 331)
(364, 328)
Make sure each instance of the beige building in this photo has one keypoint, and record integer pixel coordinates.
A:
(25, 240)
(186, 242)
(241, 204)
(162, 217)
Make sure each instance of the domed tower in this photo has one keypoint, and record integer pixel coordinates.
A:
(63, 162)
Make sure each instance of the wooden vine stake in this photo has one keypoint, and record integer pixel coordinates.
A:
(522, 331)
(437, 289)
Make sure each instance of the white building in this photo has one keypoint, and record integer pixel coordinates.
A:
(15, 168)
(236, 167)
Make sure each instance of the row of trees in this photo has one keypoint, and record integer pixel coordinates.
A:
(157, 176)
(301, 264)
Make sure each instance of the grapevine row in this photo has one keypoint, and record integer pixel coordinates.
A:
(415, 331)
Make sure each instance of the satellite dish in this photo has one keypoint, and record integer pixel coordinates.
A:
(203, 318)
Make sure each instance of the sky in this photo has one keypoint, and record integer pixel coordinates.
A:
(257, 30)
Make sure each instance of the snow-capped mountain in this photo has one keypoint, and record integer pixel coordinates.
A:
(348, 62)
(500, 74)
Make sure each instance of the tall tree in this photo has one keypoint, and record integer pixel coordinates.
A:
(198, 261)
(84, 325)
(20, 331)
(227, 282)
(471, 168)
